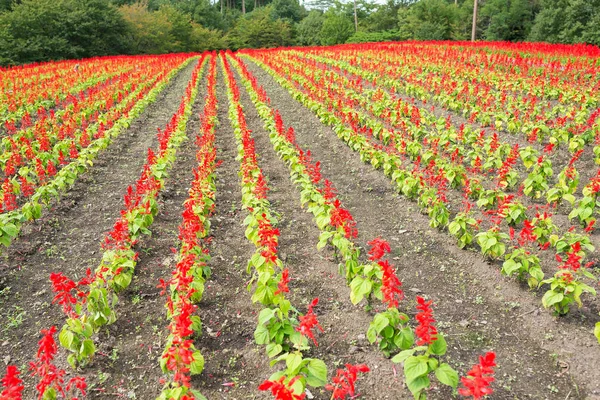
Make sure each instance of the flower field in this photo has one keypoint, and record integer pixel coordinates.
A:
(379, 221)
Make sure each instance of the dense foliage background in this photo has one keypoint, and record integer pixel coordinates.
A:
(42, 30)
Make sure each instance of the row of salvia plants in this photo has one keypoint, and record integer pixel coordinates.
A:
(41, 162)
(91, 303)
(419, 349)
(427, 184)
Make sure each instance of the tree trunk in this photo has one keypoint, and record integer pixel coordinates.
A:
(243, 6)
(222, 6)
(355, 18)
(474, 30)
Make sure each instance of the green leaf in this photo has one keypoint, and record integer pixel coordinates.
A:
(439, 346)
(414, 367)
(265, 315)
(404, 339)
(597, 331)
(11, 230)
(417, 385)
(66, 338)
(551, 297)
(446, 375)
(273, 349)
(510, 266)
(261, 335)
(380, 322)
(403, 355)
(87, 348)
(317, 373)
(371, 334)
(197, 366)
(293, 362)
(357, 289)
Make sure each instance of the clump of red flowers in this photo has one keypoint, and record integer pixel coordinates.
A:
(280, 390)
(309, 321)
(50, 377)
(379, 248)
(68, 292)
(478, 379)
(282, 286)
(390, 285)
(12, 385)
(343, 384)
(342, 217)
(425, 331)
(268, 239)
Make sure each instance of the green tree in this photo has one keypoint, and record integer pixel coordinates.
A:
(288, 9)
(383, 18)
(507, 19)
(336, 29)
(308, 30)
(7, 5)
(209, 16)
(43, 30)
(180, 29)
(203, 39)
(567, 21)
(147, 33)
(258, 29)
(428, 20)
(364, 37)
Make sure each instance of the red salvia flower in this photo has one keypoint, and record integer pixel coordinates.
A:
(9, 199)
(280, 390)
(282, 286)
(343, 384)
(390, 285)
(49, 374)
(309, 321)
(26, 188)
(79, 383)
(477, 383)
(179, 357)
(342, 217)
(425, 331)
(12, 385)
(379, 247)
(51, 169)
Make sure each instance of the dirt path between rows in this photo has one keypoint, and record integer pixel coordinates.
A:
(67, 239)
(476, 307)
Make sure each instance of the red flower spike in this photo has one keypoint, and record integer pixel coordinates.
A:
(477, 383)
(12, 385)
(343, 384)
(379, 247)
(425, 331)
(309, 321)
(282, 286)
(390, 285)
(280, 390)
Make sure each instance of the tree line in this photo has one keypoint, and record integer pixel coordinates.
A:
(43, 30)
